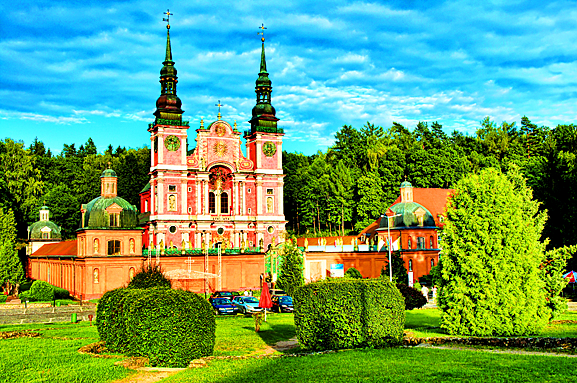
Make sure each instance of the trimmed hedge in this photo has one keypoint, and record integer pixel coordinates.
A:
(149, 276)
(170, 327)
(42, 291)
(347, 313)
(414, 299)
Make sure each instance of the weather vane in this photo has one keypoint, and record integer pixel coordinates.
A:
(262, 28)
(167, 13)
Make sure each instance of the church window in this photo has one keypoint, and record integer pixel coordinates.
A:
(114, 219)
(410, 265)
(269, 191)
(270, 229)
(432, 262)
(431, 242)
(248, 190)
(172, 229)
(420, 242)
(224, 203)
(189, 210)
(211, 203)
(114, 247)
(145, 206)
(172, 188)
(220, 231)
(45, 235)
(249, 210)
(410, 245)
(189, 189)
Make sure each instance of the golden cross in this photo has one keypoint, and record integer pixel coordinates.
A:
(219, 105)
(167, 13)
(262, 28)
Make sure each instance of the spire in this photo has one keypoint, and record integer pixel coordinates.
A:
(168, 104)
(263, 114)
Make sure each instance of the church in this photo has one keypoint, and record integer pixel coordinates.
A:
(207, 215)
(213, 195)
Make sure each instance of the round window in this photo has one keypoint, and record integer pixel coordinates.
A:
(220, 231)
(270, 229)
(172, 229)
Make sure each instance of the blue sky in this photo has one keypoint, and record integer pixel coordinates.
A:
(79, 69)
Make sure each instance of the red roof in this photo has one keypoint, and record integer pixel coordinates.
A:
(60, 248)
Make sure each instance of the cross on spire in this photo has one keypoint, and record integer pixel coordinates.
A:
(167, 13)
(219, 105)
(261, 33)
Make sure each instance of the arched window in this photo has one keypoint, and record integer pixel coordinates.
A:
(113, 247)
(95, 276)
(409, 243)
(410, 265)
(211, 203)
(131, 273)
(432, 262)
(224, 203)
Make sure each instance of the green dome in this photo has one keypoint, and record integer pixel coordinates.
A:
(409, 216)
(406, 184)
(108, 173)
(96, 215)
(260, 109)
(36, 230)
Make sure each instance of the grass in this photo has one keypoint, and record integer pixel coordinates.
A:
(387, 365)
(54, 357)
(235, 335)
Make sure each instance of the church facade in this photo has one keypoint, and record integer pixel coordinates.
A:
(206, 217)
(214, 195)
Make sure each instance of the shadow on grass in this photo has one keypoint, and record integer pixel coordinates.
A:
(274, 333)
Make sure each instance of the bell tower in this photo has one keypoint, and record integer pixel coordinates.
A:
(168, 168)
(264, 140)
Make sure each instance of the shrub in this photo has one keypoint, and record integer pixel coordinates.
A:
(3, 298)
(60, 293)
(149, 276)
(353, 273)
(345, 313)
(42, 291)
(414, 299)
(25, 286)
(291, 269)
(26, 296)
(170, 327)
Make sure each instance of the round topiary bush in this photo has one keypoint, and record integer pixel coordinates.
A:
(414, 299)
(347, 313)
(42, 291)
(353, 273)
(170, 327)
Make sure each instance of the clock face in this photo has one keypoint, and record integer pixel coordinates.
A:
(269, 149)
(172, 143)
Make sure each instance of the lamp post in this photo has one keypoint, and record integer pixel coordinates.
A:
(389, 244)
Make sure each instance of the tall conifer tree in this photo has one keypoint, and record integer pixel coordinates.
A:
(491, 282)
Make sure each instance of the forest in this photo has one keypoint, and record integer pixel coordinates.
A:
(336, 192)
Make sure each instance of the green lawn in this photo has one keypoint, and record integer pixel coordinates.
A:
(54, 357)
(387, 365)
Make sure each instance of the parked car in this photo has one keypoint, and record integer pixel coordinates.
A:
(246, 305)
(282, 303)
(225, 294)
(222, 306)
